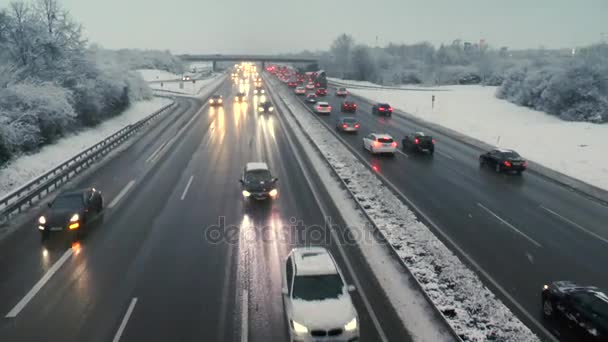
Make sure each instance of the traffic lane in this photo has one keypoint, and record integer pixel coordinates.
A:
(107, 237)
(26, 259)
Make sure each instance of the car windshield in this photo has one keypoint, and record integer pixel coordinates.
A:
(384, 105)
(317, 287)
(510, 155)
(216, 96)
(349, 120)
(258, 176)
(68, 202)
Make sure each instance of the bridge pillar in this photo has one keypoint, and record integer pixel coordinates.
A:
(213, 65)
(263, 65)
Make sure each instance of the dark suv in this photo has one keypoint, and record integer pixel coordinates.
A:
(583, 307)
(258, 183)
(503, 160)
(419, 142)
(382, 109)
(70, 213)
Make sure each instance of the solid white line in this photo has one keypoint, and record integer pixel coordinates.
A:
(28, 297)
(454, 245)
(445, 154)
(156, 152)
(245, 316)
(125, 319)
(576, 225)
(335, 237)
(187, 187)
(121, 194)
(509, 225)
(403, 153)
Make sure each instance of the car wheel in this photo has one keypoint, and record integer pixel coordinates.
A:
(547, 308)
(498, 168)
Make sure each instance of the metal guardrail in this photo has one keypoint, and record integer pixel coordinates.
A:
(438, 314)
(34, 190)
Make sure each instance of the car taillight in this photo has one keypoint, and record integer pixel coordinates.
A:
(434, 141)
(319, 108)
(345, 125)
(416, 141)
(390, 109)
(357, 126)
(507, 163)
(525, 164)
(376, 144)
(355, 105)
(394, 144)
(329, 108)
(381, 109)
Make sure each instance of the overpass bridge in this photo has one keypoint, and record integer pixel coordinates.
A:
(214, 58)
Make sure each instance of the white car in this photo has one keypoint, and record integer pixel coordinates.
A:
(300, 91)
(379, 143)
(317, 302)
(322, 108)
(341, 92)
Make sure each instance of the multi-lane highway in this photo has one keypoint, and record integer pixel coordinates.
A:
(522, 231)
(155, 268)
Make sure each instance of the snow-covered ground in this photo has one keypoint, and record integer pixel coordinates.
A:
(151, 75)
(27, 167)
(471, 308)
(572, 148)
(185, 87)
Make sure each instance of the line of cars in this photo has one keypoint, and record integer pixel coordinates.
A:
(583, 310)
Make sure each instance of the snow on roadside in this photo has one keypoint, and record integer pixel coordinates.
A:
(151, 75)
(21, 170)
(572, 148)
(189, 88)
(471, 308)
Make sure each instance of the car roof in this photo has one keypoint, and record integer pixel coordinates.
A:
(421, 134)
(321, 103)
(504, 150)
(312, 94)
(216, 95)
(313, 261)
(75, 192)
(349, 118)
(256, 166)
(382, 135)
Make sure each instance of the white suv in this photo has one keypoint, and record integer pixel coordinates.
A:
(379, 143)
(323, 108)
(316, 298)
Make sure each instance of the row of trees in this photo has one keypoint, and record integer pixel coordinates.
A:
(52, 83)
(571, 86)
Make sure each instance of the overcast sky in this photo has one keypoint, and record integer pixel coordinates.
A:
(271, 26)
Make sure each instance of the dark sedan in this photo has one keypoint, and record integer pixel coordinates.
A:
(311, 98)
(321, 92)
(419, 142)
(382, 109)
(502, 160)
(265, 107)
(71, 212)
(348, 107)
(584, 308)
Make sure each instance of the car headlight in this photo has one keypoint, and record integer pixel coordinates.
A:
(210, 101)
(352, 325)
(260, 109)
(299, 328)
(220, 100)
(75, 218)
(262, 91)
(271, 109)
(42, 220)
(273, 192)
(246, 193)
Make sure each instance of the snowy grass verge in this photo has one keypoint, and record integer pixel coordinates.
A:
(25, 168)
(470, 308)
(184, 87)
(570, 148)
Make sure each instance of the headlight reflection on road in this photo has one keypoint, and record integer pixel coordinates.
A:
(236, 109)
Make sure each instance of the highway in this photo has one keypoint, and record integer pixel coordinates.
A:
(154, 269)
(522, 231)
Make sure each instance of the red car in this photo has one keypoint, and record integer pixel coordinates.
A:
(321, 92)
(292, 84)
(349, 106)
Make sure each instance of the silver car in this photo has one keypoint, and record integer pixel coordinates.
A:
(347, 124)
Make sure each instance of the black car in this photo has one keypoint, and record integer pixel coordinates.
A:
(71, 212)
(258, 90)
(503, 160)
(240, 97)
(265, 107)
(216, 100)
(419, 142)
(258, 183)
(583, 307)
(382, 109)
(348, 106)
(311, 98)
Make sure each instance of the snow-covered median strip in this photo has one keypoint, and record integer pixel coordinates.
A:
(572, 148)
(27, 167)
(471, 309)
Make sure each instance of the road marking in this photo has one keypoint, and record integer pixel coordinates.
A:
(509, 225)
(477, 266)
(403, 153)
(530, 257)
(187, 187)
(244, 316)
(445, 154)
(121, 194)
(335, 237)
(45, 278)
(576, 225)
(156, 152)
(164, 148)
(125, 319)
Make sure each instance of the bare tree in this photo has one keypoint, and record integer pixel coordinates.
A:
(341, 49)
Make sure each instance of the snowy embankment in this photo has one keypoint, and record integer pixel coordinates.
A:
(22, 169)
(471, 309)
(172, 83)
(572, 148)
